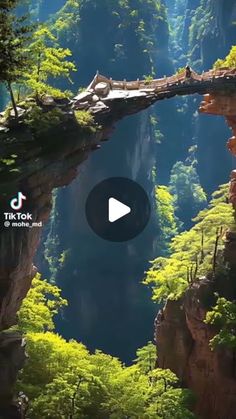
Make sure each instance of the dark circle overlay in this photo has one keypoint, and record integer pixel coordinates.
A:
(129, 193)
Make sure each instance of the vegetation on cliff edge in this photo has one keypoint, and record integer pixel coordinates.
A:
(229, 61)
(31, 56)
(223, 317)
(195, 253)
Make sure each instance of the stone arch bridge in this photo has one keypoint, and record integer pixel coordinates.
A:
(103, 93)
(105, 97)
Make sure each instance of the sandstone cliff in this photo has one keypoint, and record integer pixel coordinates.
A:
(183, 338)
(33, 163)
(183, 346)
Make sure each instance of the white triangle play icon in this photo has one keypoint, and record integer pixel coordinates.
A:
(117, 210)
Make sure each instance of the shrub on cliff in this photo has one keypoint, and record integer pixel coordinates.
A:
(85, 120)
(223, 317)
(40, 122)
(229, 61)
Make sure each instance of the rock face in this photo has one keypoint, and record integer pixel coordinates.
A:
(38, 164)
(36, 172)
(218, 104)
(183, 346)
(221, 104)
(12, 357)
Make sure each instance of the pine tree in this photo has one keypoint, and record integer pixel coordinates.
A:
(14, 36)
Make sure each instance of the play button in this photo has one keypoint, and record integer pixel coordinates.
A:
(117, 209)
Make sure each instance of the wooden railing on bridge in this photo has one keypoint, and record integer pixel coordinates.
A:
(165, 82)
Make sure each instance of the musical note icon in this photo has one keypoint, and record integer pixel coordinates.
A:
(16, 203)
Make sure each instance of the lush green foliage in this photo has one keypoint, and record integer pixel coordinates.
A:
(14, 36)
(40, 121)
(63, 380)
(38, 309)
(85, 120)
(52, 244)
(48, 60)
(229, 61)
(166, 218)
(67, 19)
(223, 317)
(13, 39)
(29, 58)
(189, 196)
(203, 22)
(198, 23)
(193, 251)
(127, 18)
(176, 20)
(157, 134)
(146, 358)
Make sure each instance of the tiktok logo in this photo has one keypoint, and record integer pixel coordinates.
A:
(16, 203)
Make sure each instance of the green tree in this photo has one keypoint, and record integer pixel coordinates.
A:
(52, 375)
(194, 252)
(189, 196)
(14, 36)
(168, 401)
(63, 380)
(48, 61)
(41, 305)
(146, 358)
(67, 20)
(167, 221)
